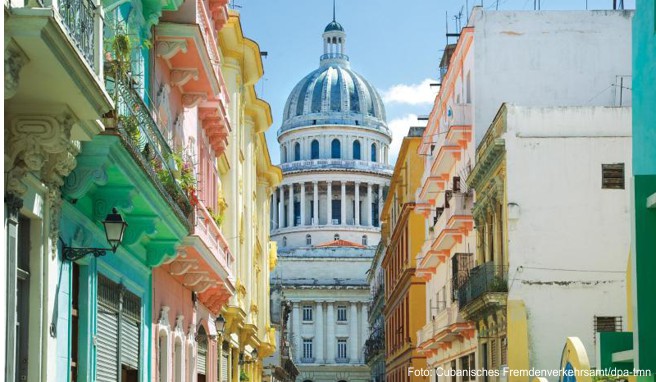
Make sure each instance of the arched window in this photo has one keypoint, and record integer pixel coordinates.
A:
(283, 155)
(308, 239)
(335, 149)
(284, 241)
(178, 371)
(336, 236)
(297, 151)
(364, 240)
(356, 150)
(373, 152)
(314, 148)
(164, 355)
(201, 360)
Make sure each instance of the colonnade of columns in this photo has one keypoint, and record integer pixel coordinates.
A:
(284, 214)
(324, 345)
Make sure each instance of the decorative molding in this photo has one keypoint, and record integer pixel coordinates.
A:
(179, 77)
(41, 144)
(191, 100)
(193, 278)
(167, 49)
(181, 266)
(82, 178)
(164, 316)
(15, 59)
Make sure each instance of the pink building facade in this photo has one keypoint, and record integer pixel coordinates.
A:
(191, 101)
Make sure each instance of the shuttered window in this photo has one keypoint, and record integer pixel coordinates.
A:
(612, 176)
(119, 311)
(201, 359)
(224, 376)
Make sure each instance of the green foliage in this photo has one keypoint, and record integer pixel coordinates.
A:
(243, 376)
(130, 124)
(499, 285)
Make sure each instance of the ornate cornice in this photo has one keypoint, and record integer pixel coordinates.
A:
(40, 144)
(15, 59)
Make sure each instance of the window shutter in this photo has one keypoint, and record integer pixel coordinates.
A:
(201, 361)
(224, 367)
(107, 331)
(130, 333)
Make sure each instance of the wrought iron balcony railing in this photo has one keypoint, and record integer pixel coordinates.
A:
(142, 137)
(485, 278)
(374, 345)
(79, 18)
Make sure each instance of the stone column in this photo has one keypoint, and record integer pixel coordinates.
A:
(381, 201)
(302, 203)
(329, 202)
(318, 330)
(281, 209)
(357, 203)
(274, 210)
(330, 332)
(353, 333)
(315, 206)
(365, 330)
(369, 211)
(296, 330)
(290, 210)
(343, 203)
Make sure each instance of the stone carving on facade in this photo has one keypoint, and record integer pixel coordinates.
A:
(164, 317)
(41, 145)
(179, 77)
(168, 48)
(14, 62)
(191, 100)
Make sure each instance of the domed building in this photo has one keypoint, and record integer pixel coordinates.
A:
(334, 144)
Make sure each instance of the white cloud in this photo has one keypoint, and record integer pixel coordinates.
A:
(414, 94)
(399, 128)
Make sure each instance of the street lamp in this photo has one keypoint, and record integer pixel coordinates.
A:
(114, 230)
(253, 359)
(220, 325)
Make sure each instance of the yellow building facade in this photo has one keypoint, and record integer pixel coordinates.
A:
(405, 292)
(247, 178)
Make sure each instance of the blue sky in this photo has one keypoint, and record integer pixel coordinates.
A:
(396, 45)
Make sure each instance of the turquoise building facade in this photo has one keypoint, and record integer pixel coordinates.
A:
(643, 253)
(104, 304)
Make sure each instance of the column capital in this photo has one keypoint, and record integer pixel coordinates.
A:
(41, 144)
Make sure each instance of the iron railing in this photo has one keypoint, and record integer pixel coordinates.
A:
(143, 138)
(314, 164)
(330, 56)
(486, 278)
(78, 17)
(374, 345)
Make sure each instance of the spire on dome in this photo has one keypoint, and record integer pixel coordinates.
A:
(334, 41)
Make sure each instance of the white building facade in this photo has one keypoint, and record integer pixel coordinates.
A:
(325, 215)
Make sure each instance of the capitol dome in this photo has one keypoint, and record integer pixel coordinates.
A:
(334, 94)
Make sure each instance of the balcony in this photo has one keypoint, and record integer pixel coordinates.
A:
(53, 55)
(446, 327)
(142, 137)
(342, 360)
(209, 231)
(342, 164)
(187, 41)
(307, 359)
(446, 158)
(374, 345)
(459, 125)
(486, 285)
